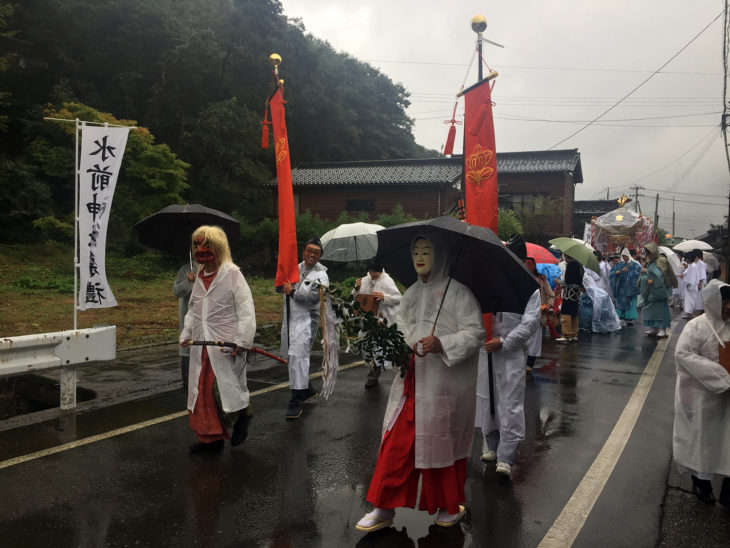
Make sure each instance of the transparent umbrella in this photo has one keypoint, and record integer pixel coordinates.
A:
(351, 242)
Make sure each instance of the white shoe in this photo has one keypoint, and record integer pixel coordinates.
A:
(379, 518)
(662, 333)
(504, 468)
(487, 454)
(574, 339)
(444, 519)
(562, 340)
(651, 332)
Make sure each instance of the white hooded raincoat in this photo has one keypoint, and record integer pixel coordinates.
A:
(225, 312)
(702, 396)
(445, 383)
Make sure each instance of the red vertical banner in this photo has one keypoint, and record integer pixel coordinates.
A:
(480, 164)
(480, 157)
(287, 268)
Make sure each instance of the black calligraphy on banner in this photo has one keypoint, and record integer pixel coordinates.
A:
(102, 149)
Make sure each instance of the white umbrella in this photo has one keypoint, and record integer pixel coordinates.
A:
(351, 242)
(689, 245)
(673, 259)
(710, 261)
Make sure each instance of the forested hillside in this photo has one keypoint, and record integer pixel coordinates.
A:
(193, 75)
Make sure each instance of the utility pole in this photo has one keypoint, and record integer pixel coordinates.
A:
(673, 216)
(636, 197)
(656, 213)
(607, 189)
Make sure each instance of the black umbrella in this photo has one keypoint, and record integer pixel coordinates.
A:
(170, 228)
(498, 279)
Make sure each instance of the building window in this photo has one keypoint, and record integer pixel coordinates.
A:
(359, 205)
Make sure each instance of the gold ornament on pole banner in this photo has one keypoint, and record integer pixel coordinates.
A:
(479, 24)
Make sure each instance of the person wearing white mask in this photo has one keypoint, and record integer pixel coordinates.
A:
(428, 429)
(701, 439)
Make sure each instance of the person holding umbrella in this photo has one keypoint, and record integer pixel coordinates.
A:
(572, 283)
(182, 287)
(428, 425)
(221, 309)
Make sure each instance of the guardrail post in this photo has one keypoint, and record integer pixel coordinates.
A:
(68, 387)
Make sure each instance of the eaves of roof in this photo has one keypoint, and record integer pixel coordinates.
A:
(431, 171)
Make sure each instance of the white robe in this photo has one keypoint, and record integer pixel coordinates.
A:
(701, 440)
(691, 293)
(388, 307)
(508, 364)
(225, 312)
(445, 382)
(297, 335)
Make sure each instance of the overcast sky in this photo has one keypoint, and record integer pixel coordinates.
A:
(564, 63)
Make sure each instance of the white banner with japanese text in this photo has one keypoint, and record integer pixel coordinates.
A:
(102, 149)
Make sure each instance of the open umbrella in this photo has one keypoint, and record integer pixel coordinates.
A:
(540, 254)
(351, 242)
(711, 261)
(673, 259)
(579, 251)
(170, 228)
(690, 245)
(498, 279)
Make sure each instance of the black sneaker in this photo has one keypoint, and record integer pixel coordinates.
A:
(725, 493)
(703, 490)
(307, 394)
(240, 429)
(294, 409)
(211, 447)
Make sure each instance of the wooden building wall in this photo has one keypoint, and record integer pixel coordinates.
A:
(552, 185)
(417, 200)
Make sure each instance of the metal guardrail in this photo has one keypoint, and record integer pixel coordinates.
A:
(62, 349)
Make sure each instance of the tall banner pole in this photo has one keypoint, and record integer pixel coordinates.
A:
(77, 183)
(480, 165)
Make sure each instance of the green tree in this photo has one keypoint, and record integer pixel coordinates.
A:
(151, 176)
(535, 216)
(508, 224)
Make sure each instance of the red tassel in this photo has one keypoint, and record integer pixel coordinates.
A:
(449, 146)
(479, 120)
(264, 135)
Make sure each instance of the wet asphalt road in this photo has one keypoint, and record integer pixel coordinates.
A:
(303, 483)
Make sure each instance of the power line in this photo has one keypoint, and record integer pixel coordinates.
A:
(640, 85)
(579, 69)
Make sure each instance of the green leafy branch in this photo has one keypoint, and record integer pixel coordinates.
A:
(379, 339)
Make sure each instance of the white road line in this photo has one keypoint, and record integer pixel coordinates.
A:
(569, 523)
(131, 428)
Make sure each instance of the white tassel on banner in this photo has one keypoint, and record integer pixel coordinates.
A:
(330, 345)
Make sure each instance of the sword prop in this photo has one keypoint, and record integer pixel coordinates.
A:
(223, 344)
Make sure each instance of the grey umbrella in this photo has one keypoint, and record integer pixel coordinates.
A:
(170, 228)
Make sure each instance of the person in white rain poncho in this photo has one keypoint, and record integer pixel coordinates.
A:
(701, 441)
(300, 324)
(428, 427)
(221, 309)
(381, 286)
(503, 431)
